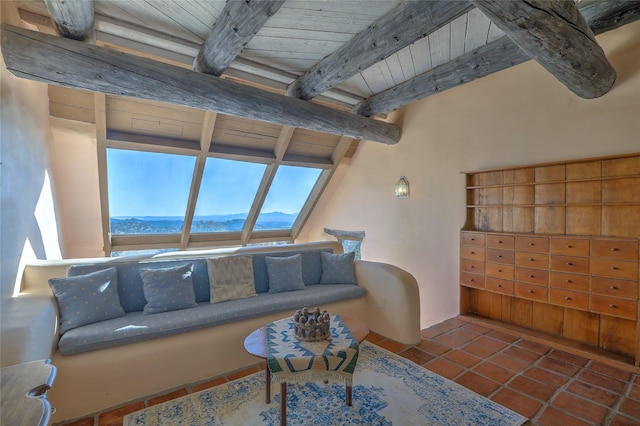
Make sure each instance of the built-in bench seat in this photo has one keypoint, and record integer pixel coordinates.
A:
(137, 327)
(135, 355)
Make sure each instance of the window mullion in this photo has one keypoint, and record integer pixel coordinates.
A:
(208, 124)
(267, 179)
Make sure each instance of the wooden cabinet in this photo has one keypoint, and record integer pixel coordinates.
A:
(543, 243)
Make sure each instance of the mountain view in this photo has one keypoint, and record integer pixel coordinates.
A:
(215, 223)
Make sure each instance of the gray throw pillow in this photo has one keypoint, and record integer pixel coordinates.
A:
(285, 273)
(168, 289)
(230, 278)
(337, 268)
(85, 299)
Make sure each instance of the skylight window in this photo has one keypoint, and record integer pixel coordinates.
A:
(227, 192)
(148, 191)
(153, 207)
(289, 191)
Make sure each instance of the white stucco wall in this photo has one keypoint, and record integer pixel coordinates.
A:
(28, 223)
(74, 154)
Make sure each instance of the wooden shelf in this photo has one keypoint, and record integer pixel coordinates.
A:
(552, 205)
(574, 290)
(553, 182)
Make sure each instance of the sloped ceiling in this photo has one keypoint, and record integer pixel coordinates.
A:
(345, 63)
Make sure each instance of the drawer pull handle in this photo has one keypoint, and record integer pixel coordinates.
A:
(567, 298)
(614, 249)
(532, 244)
(473, 266)
(473, 239)
(498, 285)
(530, 291)
(473, 252)
(530, 275)
(613, 287)
(612, 306)
(569, 246)
(499, 270)
(568, 281)
(531, 259)
(471, 280)
(613, 268)
(500, 242)
(500, 256)
(569, 264)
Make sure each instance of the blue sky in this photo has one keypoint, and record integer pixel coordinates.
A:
(153, 184)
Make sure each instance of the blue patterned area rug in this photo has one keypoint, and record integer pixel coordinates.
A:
(387, 390)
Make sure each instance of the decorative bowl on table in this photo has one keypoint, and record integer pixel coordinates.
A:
(311, 325)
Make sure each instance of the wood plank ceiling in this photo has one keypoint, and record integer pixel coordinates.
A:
(349, 58)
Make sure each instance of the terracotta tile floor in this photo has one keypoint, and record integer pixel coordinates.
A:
(546, 385)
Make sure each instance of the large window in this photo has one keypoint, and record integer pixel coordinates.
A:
(289, 191)
(148, 192)
(149, 201)
(226, 194)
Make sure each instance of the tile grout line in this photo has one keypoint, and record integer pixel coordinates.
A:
(559, 390)
(615, 408)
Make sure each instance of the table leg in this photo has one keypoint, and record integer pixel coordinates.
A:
(267, 384)
(349, 394)
(283, 404)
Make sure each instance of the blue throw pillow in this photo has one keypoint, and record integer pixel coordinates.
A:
(337, 268)
(285, 273)
(85, 299)
(168, 289)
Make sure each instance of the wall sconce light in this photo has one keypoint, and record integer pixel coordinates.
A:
(402, 188)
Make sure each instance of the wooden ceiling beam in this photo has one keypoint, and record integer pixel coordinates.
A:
(408, 22)
(72, 19)
(557, 36)
(119, 33)
(236, 25)
(68, 63)
(494, 56)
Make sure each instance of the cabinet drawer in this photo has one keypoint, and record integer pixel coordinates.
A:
(472, 239)
(569, 281)
(532, 244)
(612, 249)
(500, 256)
(569, 246)
(499, 286)
(499, 270)
(472, 253)
(615, 288)
(577, 265)
(615, 307)
(472, 266)
(506, 242)
(533, 260)
(530, 291)
(471, 280)
(532, 276)
(615, 268)
(570, 299)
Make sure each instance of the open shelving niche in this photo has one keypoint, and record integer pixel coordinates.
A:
(552, 249)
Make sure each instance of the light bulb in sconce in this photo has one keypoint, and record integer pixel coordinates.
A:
(402, 188)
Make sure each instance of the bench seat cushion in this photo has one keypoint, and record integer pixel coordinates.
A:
(136, 327)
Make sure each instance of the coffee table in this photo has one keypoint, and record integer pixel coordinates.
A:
(256, 345)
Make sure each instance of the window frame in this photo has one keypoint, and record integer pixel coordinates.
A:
(187, 240)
